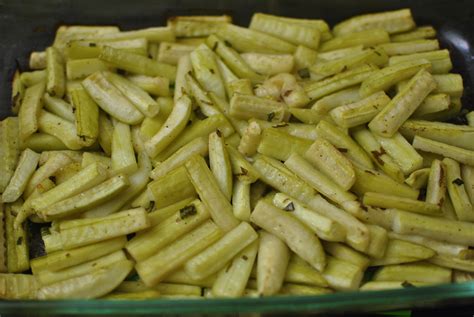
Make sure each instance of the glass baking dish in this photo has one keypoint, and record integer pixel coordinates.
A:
(28, 25)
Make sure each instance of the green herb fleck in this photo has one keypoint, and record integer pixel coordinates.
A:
(304, 73)
(270, 116)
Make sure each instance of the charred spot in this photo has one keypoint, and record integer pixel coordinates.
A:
(212, 70)
(378, 154)
(52, 178)
(280, 125)
(219, 133)
(199, 114)
(243, 172)
(342, 150)
(187, 211)
(151, 206)
(407, 284)
(289, 207)
(92, 44)
(370, 172)
(121, 71)
(304, 73)
(244, 257)
(458, 182)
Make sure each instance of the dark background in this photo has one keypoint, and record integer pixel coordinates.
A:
(27, 25)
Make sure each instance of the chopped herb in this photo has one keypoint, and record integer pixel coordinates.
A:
(289, 207)
(407, 284)
(187, 211)
(458, 182)
(270, 116)
(304, 73)
(19, 241)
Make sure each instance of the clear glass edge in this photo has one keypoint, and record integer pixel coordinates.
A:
(367, 301)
